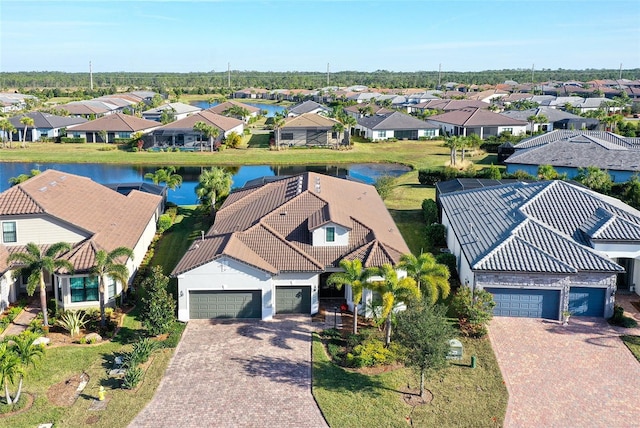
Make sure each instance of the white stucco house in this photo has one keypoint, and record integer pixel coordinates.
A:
(272, 247)
(60, 207)
(544, 248)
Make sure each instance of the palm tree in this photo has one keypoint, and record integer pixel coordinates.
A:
(9, 368)
(338, 128)
(430, 276)
(27, 353)
(393, 290)
(453, 143)
(354, 276)
(35, 264)
(7, 131)
(278, 122)
(27, 122)
(237, 111)
(469, 142)
(350, 122)
(106, 265)
(167, 176)
(210, 132)
(213, 184)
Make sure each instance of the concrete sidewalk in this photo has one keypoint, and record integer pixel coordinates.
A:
(22, 321)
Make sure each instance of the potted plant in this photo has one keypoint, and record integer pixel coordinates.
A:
(565, 317)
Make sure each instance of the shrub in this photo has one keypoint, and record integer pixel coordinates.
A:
(175, 333)
(473, 310)
(164, 222)
(430, 211)
(620, 319)
(82, 340)
(450, 261)
(143, 349)
(430, 177)
(158, 307)
(436, 235)
(73, 140)
(132, 378)
(372, 352)
(72, 321)
(384, 185)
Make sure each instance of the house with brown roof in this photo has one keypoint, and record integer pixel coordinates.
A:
(223, 108)
(310, 130)
(481, 122)
(55, 207)
(180, 134)
(272, 247)
(116, 126)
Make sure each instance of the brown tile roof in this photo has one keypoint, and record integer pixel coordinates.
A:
(108, 218)
(210, 118)
(221, 108)
(309, 120)
(475, 117)
(117, 122)
(274, 221)
(448, 105)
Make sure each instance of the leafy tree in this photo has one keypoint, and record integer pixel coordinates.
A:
(23, 177)
(27, 352)
(356, 277)
(493, 172)
(425, 333)
(158, 307)
(393, 289)
(384, 186)
(27, 122)
(469, 142)
(213, 184)
(166, 175)
(431, 277)
(595, 179)
(631, 192)
(474, 310)
(168, 115)
(34, 263)
(10, 367)
(430, 211)
(107, 265)
(454, 143)
(210, 132)
(233, 140)
(547, 172)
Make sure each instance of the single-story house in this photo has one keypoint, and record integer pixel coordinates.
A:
(362, 110)
(309, 130)
(55, 207)
(222, 108)
(445, 105)
(179, 111)
(308, 107)
(89, 108)
(11, 101)
(181, 134)
(474, 120)
(556, 119)
(395, 125)
(567, 151)
(272, 247)
(544, 248)
(45, 125)
(116, 126)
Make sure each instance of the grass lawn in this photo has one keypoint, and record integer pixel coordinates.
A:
(462, 397)
(633, 343)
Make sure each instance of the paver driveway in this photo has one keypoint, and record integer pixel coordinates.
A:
(237, 374)
(580, 375)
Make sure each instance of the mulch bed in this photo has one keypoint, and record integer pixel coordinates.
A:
(65, 393)
(26, 407)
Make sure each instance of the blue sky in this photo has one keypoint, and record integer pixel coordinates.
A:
(305, 35)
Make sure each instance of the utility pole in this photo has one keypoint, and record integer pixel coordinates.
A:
(620, 72)
(532, 81)
(229, 75)
(439, 75)
(90, 77)
(327, 74)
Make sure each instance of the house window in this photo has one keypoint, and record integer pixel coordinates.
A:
(382, 134)
(84, 289)
(111, 287)
(286, 136)
(330, 235)
(124, 134)
(9, 233)
(429, 132)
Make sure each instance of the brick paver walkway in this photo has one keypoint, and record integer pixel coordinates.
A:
(238, 374)
(22, 321)
(580, 375)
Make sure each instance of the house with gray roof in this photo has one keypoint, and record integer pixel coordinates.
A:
(556, 119)
(567, 151)
(178, 110)
(395, 125)
(308, 107)
(543, 248)
(272, 247)
(45, 125)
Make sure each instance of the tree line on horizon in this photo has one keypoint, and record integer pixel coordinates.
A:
(214, 82)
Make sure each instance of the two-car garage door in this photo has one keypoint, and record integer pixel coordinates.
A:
(528, 303)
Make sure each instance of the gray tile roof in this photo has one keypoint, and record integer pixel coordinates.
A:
(395, 121)
(46, 120)
(537, 227)
(552, 114)
(579, 149)
(307, 106)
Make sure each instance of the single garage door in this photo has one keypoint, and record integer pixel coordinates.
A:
(293, 300)
(587, 302)
(527, 303)
(225, 304)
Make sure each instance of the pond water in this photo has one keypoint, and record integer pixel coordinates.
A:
(271, 109)
(185, 195)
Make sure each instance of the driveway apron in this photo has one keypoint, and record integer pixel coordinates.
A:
(238, 374)
(579, 375)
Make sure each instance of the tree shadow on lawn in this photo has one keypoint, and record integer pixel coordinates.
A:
(329, 376)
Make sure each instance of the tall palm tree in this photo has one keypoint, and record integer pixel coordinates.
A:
(356, 277)
(166, 175)
(350, 122)
(210, 132)
(27, 353)
(213, 184)
(10, 367)
(393, 290)
(338, 128)
(431, 277)
(27, 122)
(35, 263)
(278, 123)
(107, 265)
(7, 131)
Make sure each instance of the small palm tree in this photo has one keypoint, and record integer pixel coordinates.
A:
(393, 290)
(27, 354)
(167, 176)
(338, 128)
(237, 111)
(106, 265)
(453, 143)
(208, 131)
(35, 263)
(431, 277)
(27, 122)
(8, 130)
(213, 184)
(356, 277)
(10, 367)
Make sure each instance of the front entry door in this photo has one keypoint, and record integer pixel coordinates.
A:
(625, 279)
